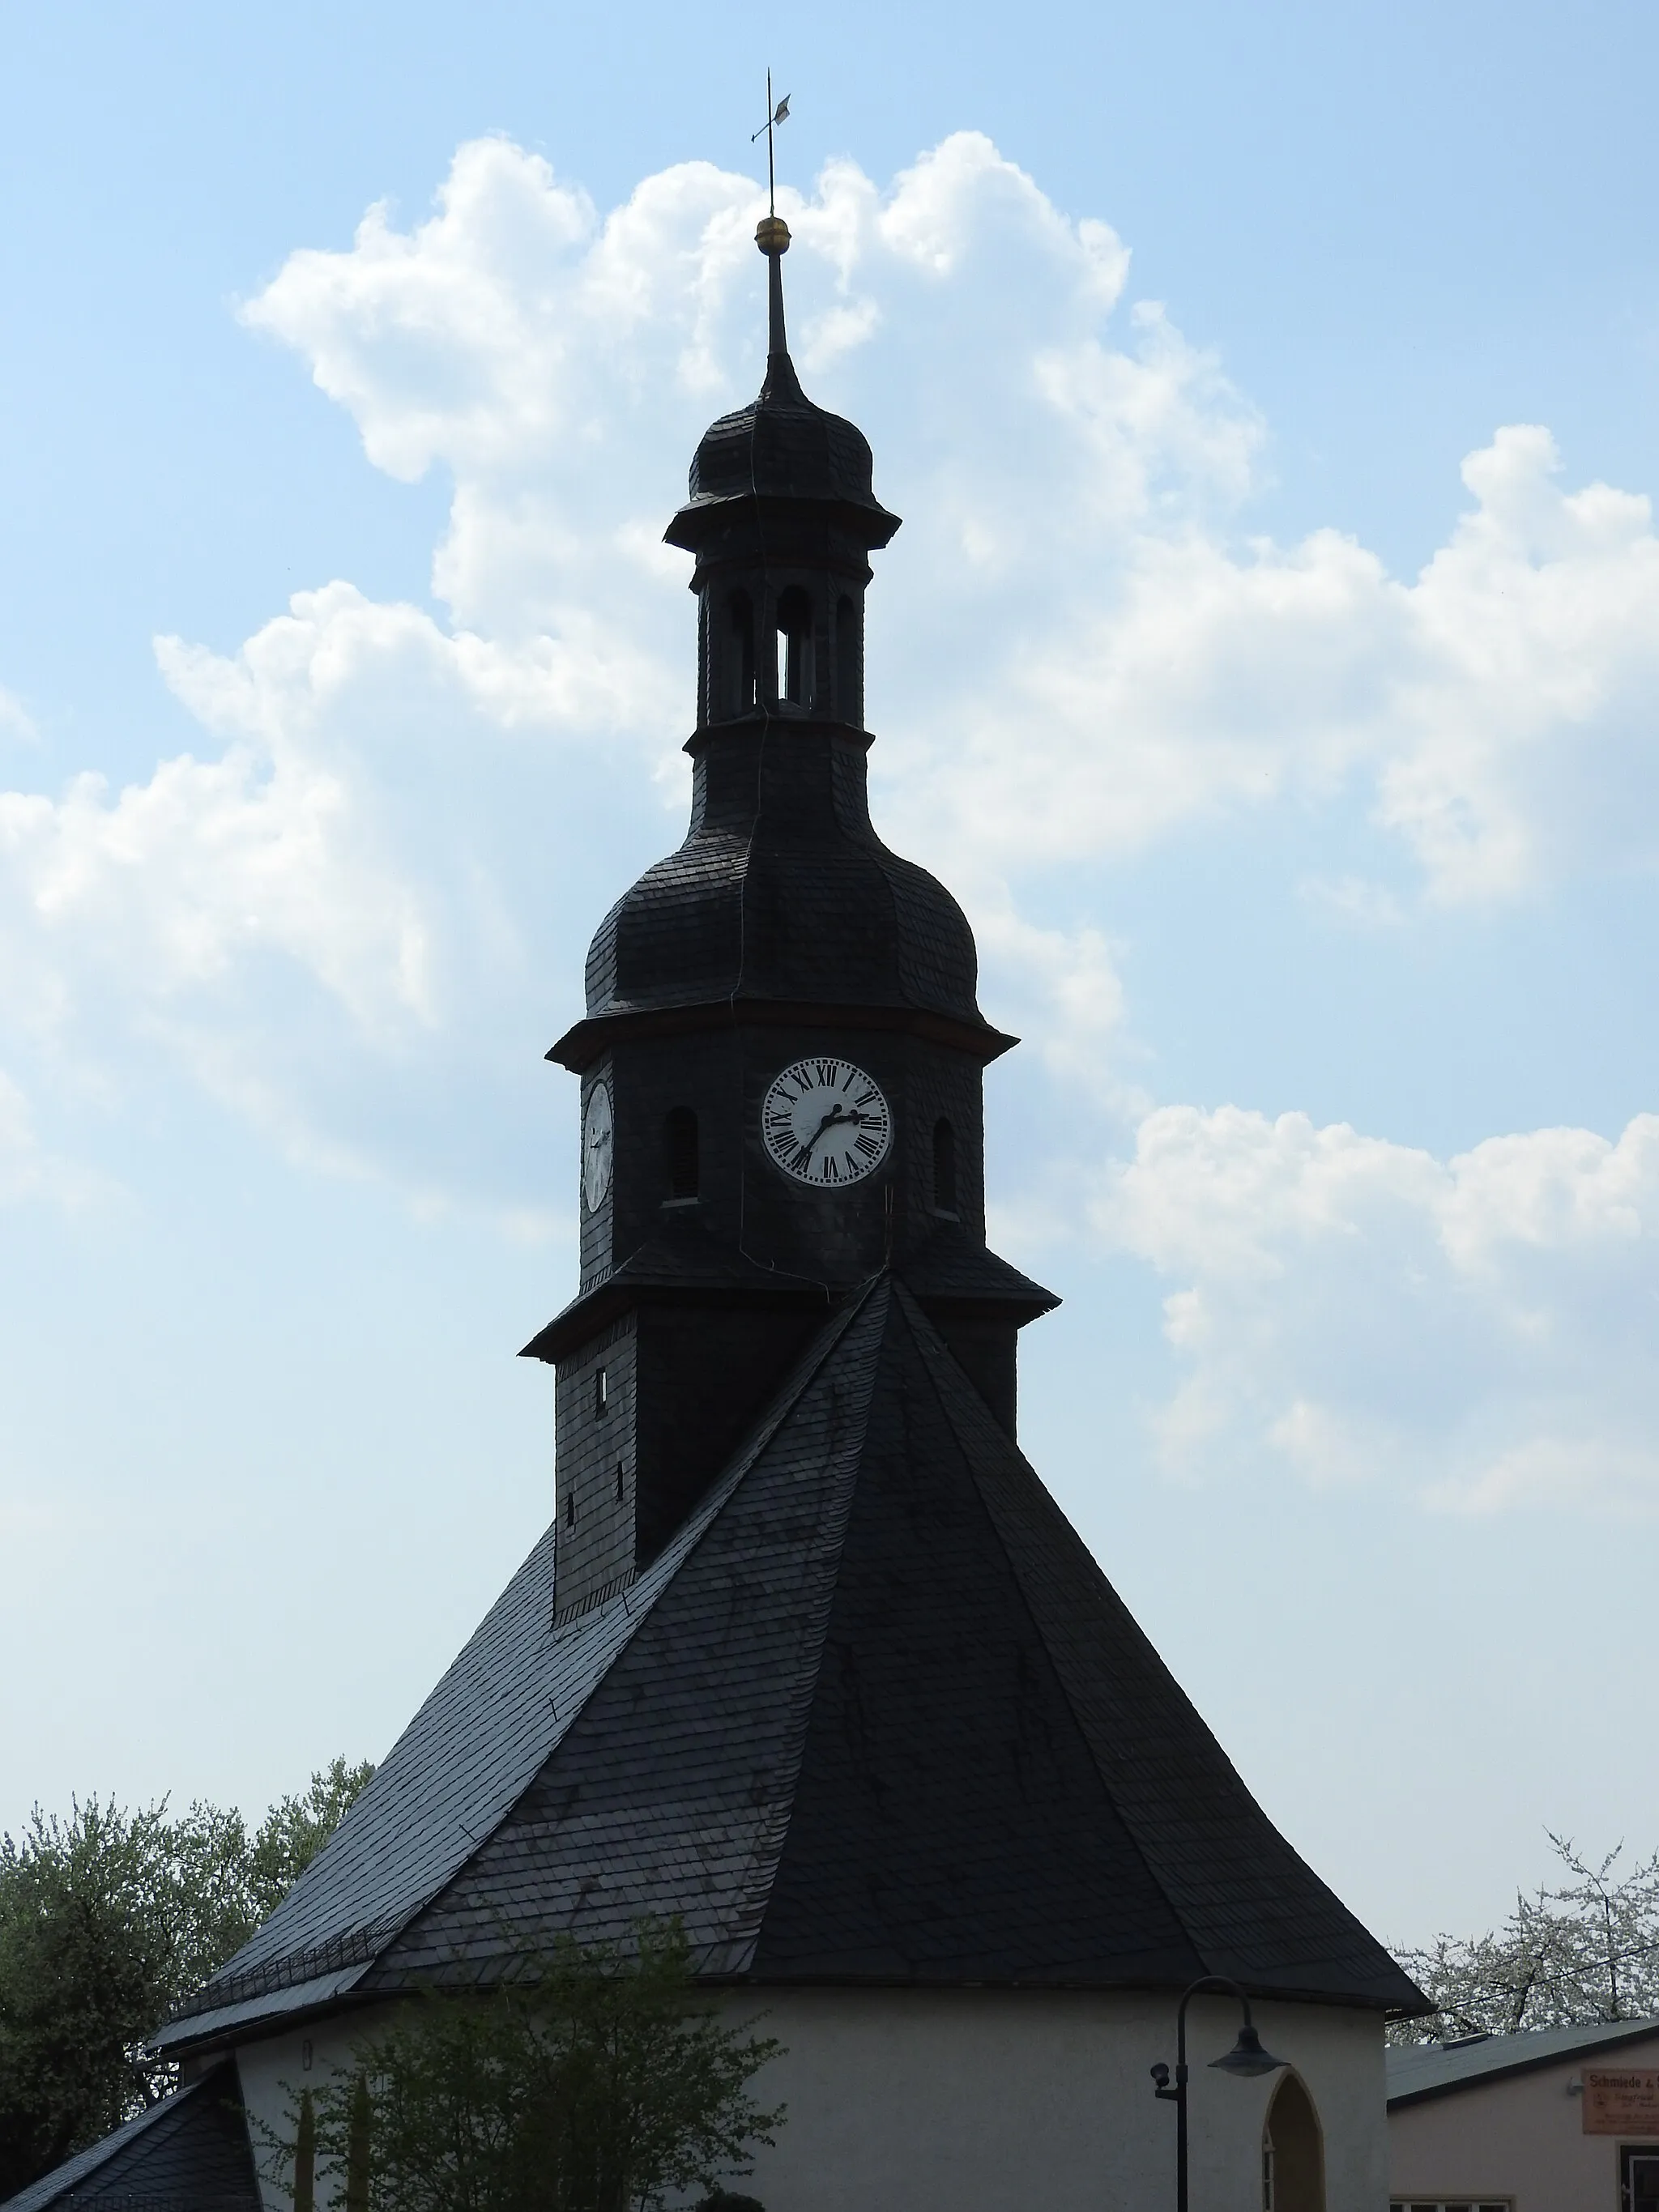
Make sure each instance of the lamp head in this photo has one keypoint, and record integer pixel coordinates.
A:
(1247, 2056)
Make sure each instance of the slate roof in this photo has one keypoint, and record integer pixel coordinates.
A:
(781, 447)
(1418, 2071)
(782, 891)
(188, 2154)
(874, 1716)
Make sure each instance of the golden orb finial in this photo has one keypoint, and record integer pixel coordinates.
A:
(772, 235)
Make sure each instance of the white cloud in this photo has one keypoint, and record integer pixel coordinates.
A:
(1074, 651)
(1477, 1330)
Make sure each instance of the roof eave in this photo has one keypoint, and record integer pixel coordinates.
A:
(583, 1042)
(1640, 2031)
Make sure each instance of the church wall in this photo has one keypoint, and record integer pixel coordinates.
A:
(273, 2072)
(989, 2100)
(992, 2101)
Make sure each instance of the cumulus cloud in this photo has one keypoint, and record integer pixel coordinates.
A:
(1079, 611)
(1476, 1330)
(397, 810)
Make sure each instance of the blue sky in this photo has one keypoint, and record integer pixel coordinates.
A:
(1270, 659)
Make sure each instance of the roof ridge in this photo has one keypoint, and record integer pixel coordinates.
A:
(654, 1582)
(769, 1844)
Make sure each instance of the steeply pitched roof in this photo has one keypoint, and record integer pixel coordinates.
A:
(188, 2154)
(875, 1715)
(1420, 2070)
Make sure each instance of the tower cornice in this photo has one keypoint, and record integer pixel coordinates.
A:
(590, 1039)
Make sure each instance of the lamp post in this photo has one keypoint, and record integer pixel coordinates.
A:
(1247, 2057)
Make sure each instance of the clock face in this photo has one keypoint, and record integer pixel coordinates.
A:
(826, 1123)
(597, 1146)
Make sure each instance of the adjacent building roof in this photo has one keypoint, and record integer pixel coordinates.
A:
(874, 1715)
(1420, 2070)
(188, 2154)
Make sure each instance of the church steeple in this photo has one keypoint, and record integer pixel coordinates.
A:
(783, 1053)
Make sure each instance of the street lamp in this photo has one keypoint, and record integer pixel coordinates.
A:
(1247, 2057)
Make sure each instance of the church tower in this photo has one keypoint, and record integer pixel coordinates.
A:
(808, 1659)
(782, 1055)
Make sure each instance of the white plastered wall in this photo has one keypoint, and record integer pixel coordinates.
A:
(982, 2100)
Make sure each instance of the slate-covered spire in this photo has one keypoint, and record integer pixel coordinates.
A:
(772, 236)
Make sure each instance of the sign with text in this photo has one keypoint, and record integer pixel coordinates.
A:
(1622, 2100)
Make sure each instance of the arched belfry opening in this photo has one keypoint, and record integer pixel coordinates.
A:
(734, 682)
(1292, 2152)
(795, 670)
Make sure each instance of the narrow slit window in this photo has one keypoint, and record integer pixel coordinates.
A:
(601, 1394)
(622, 1487)
(570, 1509)
(945, 1168)
(680, 1144)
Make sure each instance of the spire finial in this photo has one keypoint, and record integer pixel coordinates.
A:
(772, 236)
(773, 117)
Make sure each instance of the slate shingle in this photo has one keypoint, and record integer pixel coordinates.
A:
(188, 2154)
(876, 1714)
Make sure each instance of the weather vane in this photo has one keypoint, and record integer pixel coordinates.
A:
(773, 117)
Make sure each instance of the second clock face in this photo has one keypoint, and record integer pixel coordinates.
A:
(597, 1146)
(825, 1123)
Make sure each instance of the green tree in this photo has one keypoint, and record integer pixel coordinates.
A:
(107, 1921)
(592, 2078)
(296, 1828)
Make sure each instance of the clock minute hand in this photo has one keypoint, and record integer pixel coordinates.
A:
(836, 1113)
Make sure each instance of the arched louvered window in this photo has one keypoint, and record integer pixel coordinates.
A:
(945, 1168)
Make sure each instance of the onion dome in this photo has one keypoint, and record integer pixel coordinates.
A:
(781, 446)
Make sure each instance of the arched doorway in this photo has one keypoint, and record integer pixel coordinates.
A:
(1292, 2152)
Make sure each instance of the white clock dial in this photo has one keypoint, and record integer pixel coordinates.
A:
(597, 1146)
(826, 1123)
